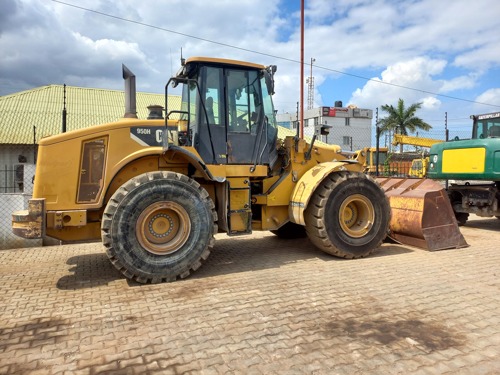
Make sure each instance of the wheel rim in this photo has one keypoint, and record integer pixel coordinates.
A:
(356, 215)
(163, 227)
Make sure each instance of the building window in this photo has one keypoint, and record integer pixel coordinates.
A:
(347, 122)
(346, 140)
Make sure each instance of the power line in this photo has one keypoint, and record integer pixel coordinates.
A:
(269, 55)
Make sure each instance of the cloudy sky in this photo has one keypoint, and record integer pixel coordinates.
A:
(443, 53)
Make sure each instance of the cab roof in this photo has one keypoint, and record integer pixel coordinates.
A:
(224, 62)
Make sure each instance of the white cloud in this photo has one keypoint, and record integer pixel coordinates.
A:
(481, 58)
(416, 73)
(459, 83)
(432, 46)
(108, 49)
(430, 103)
(491, 96)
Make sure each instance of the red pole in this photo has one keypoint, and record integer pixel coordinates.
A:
(301, 68)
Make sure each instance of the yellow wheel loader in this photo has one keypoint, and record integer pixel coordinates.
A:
(156, 191)
(367, 157)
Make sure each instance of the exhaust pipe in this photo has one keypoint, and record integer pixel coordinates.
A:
(130, 99)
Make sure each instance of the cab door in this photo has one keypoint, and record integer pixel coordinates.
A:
(210, 136)
(244, 111)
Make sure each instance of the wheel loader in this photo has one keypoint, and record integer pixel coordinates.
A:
(156, 191)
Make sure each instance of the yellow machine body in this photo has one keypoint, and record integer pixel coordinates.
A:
(108, 156)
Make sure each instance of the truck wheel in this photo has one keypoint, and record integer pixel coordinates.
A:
(348, 215)
(290, 231)
(462, 218)
(159, 226)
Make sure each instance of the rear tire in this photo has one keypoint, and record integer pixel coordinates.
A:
(456, 200)
(290, 231)
(461, 218)
(348, 215)
(158, 227)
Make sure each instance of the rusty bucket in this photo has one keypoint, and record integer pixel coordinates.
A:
(422, 215)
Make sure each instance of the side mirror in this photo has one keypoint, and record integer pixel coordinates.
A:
(269, 77)
(325, 129)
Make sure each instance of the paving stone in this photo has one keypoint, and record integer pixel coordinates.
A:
(259, 305)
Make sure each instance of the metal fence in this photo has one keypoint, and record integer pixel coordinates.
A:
(17, 171)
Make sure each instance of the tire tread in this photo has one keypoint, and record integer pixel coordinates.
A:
(113, 206)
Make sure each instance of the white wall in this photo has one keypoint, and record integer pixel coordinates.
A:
(352, 123)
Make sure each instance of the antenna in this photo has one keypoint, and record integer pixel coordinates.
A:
(310, 92)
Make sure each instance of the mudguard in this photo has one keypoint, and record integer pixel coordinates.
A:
(306, 185)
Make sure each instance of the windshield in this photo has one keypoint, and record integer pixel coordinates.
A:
(189, 92)
(487, 127)
(382, 156)
(417, 165)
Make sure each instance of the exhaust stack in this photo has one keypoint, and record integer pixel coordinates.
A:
(130, 96)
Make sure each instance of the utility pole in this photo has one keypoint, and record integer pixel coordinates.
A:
(377, 140)
(446, 130)
(301, 68)
(310, 92)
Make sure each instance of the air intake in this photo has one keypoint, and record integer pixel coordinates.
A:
(155, 112)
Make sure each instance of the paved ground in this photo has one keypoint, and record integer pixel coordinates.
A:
(259, 305)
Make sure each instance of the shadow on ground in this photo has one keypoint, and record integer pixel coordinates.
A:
(230, 255)
(490, 223)
(88, 271)
(243, 254)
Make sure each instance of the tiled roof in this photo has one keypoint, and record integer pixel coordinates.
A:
(42, 107)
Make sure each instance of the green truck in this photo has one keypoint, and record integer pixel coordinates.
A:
(474, 166)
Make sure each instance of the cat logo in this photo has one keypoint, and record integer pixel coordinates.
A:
(147, 135)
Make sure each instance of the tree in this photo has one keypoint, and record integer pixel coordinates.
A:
(402, 120)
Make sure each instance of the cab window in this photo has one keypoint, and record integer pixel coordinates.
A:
(242, 89)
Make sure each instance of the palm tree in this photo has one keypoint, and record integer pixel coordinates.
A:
(402, 120)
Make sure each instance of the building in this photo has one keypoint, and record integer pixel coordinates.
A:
(350, 127)
(28, 116)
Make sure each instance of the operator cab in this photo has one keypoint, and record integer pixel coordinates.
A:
(486, 126)
(227, 111)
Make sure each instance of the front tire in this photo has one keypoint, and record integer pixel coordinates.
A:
(348, 215)
(159, 226)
